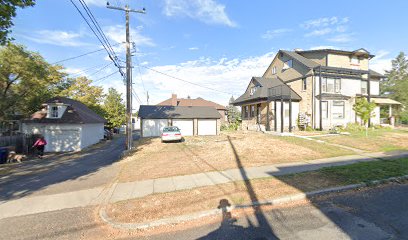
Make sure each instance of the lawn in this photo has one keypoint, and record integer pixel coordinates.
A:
(154, 159)
(198, 199)
(378, 140)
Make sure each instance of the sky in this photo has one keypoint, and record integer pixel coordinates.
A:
(216, 45)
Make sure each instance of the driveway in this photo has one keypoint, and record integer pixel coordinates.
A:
(84, 170)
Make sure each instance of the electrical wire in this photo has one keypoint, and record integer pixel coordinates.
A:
(196, 84)
(103, 78)
(82, 55)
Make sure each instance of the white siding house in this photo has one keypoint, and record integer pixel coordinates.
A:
(66, 124)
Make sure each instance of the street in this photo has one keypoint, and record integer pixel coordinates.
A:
(374, 213)
(93, 168)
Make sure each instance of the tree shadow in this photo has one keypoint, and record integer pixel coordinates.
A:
(35, 176)
(228, 229)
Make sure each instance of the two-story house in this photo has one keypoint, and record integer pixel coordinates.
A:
(315, 88)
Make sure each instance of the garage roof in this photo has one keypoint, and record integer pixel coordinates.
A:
(165, 112)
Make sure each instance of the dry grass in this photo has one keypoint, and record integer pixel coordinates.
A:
(377, 140)
(154, 159)
(177, 203)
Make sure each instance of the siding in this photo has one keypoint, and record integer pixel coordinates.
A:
(91, 133)
(297, 70)
(343, 61)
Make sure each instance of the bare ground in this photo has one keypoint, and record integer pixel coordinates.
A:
(154, 159)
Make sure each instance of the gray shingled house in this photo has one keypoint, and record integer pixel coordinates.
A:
(66, 124)
(191, 120)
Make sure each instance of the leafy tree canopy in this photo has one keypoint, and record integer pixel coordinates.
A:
(26, 81)
(364, 110)
(7, 12)
(115, 110)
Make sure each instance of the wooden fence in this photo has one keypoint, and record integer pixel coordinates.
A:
(22, 143)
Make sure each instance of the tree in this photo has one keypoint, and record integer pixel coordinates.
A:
(233, 113)
(364, 110)
(396, 83)
(80, 89)
(115, 110)
(7, 12)
(26, 81)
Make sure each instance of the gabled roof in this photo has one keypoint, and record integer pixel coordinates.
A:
(189, 102)
(76, 112)
(262, 93)
(338, 51)
(376, 74)
(166, 112)
(299, 58)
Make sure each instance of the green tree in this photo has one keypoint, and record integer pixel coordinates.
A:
(7, 12)
(81, 89)
(364, 110)
(115, 110)
(396, 84)
(26, 81)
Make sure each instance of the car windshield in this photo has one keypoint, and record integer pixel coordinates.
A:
(170, 129)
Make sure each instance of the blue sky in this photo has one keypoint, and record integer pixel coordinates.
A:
(216, 43)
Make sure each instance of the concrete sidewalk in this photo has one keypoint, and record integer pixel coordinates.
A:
(139, 189)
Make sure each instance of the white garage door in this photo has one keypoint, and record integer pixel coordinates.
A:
(62, 140)
(153, 127)
(186, 126)
(207, 127)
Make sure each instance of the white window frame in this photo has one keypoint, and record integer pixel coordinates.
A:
(54, 112)
(304, 84)
(325, 109)
(274, 70)
(288, 64)
(365, 88)
(337, 104)
(355, 60)
(336, 82)
(252, 90)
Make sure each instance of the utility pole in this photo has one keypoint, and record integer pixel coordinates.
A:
(129, 138)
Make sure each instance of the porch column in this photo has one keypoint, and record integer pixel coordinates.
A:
(368, 95)
(320, 100)
(282, 115)
(389, 111)
(290, 114)
(275, 121)
(268, 127)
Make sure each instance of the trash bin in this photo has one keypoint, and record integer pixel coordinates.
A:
(3, 155)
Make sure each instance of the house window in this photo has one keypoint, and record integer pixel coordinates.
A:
(246, 111)
(288, 64)
(304, 84)
(54, 112)
(354, 60)
(252, 110)
(363, 87)
(274, 70)
(252, 91)
(338, 109)
(331, 85)
(325, 111)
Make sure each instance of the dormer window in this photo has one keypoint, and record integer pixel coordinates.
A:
(355, 60)
(54, 112)
(252, 90)
(274, 70)
(288, 64)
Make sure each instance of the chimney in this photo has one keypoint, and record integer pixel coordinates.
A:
(173, 99)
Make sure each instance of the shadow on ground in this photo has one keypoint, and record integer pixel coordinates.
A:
(35, 176)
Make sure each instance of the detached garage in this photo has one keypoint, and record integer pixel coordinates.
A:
(190, 120)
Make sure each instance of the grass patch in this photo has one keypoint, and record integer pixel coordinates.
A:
(163, 205)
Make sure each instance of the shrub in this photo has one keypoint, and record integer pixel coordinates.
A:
(354, 127)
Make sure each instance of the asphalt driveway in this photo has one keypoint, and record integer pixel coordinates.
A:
(85, 170)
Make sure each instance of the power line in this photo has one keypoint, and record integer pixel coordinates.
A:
(82, 55)
(98, 27)
(103, 78)
(196, 84)
(99, 70)
(97, 36)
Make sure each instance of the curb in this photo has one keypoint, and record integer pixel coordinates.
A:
(277, 201)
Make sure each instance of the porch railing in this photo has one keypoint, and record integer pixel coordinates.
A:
(279, 92)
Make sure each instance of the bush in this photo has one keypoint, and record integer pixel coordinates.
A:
(309, 129)
(404, 117)
(354, 127)
(230, 127)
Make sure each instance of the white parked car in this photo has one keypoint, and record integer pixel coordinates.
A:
(171, 134)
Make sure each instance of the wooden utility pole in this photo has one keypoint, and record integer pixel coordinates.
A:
(129, 138)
